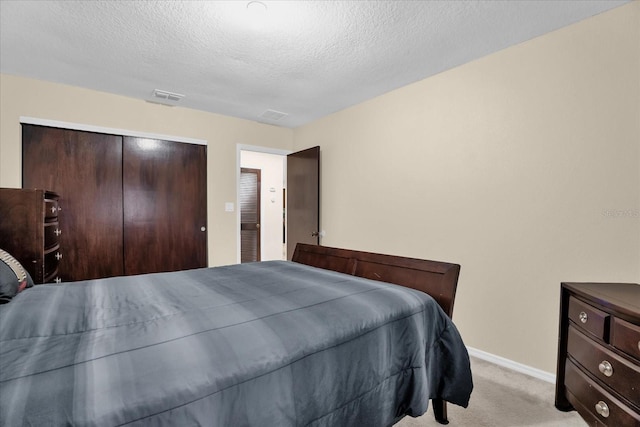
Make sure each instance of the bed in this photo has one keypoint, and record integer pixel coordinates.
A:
(329, 339)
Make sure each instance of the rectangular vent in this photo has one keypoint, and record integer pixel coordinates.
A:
(273, 115)
(165, 97)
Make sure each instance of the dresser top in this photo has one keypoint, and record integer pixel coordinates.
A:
(622, 298)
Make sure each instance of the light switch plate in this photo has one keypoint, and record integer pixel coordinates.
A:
(228, 207)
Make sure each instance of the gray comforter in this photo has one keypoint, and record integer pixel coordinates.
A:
(264, 344)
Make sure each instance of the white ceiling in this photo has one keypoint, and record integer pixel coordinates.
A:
(304, 58)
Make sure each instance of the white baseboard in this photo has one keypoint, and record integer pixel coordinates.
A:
(514, 366)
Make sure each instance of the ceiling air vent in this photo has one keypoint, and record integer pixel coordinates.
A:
(164, 97)
(273, 115)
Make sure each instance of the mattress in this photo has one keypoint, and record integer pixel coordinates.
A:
(261, 344)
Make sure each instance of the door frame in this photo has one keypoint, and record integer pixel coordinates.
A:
(112, 131)
(258, 149)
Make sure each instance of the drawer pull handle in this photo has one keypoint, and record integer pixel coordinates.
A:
(58, 256)
(606, 368)
(583, 317)
(57, 232)
(602, 409)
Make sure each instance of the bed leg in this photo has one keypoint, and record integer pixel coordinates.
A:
(440, 410)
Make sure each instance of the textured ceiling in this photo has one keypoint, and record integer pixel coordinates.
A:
(304, 58)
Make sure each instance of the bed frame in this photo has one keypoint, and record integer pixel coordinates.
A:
(438, 279)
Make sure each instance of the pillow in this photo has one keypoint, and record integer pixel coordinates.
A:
(13, 277)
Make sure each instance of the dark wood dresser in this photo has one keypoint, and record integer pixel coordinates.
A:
(598, 371)
(29, 230)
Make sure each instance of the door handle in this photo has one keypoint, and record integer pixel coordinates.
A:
(315, 234)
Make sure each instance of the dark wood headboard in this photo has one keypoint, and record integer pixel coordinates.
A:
(438, 279)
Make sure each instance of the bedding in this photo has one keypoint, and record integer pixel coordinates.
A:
(272, 343)
(13, 277)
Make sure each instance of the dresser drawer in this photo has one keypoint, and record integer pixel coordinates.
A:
(600, 404)
(51, 209)
(585, 413)
(51, 233)
(626, 337)
(54, 277)
(610, 368)
(51, 259)
(589, 318)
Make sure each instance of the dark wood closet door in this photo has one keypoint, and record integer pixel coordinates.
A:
(165, 205)
(85, 169)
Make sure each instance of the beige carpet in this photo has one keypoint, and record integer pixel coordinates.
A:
(503, 398)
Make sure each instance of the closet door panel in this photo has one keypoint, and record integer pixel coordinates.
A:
(165, 205)
(85, 169)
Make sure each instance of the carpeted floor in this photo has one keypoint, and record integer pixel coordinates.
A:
(503, 398)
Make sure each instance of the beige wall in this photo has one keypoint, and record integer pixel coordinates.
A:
(522, 166)
(43, 100)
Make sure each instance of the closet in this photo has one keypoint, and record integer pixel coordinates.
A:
(129, 205)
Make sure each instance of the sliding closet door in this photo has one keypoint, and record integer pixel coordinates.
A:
(165, 205)
(85, 169)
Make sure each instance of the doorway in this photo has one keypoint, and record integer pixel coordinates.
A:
(290, 199)
(272, 166)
